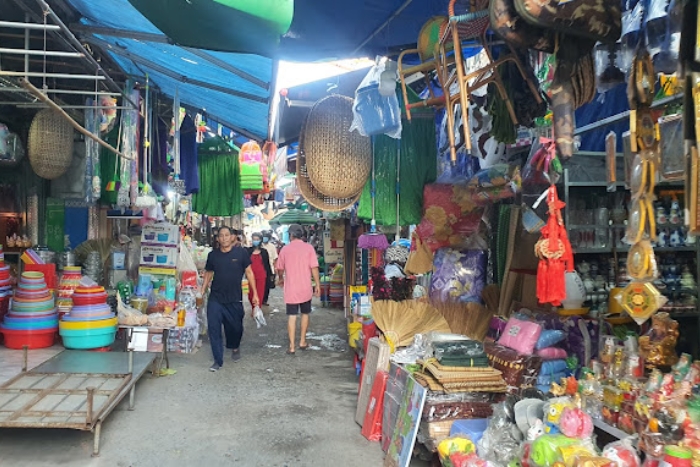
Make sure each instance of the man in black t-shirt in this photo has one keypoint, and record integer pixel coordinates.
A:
(226, 266)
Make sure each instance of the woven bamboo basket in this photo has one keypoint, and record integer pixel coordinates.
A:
(50, 145)
(314, 197)
(338, 161)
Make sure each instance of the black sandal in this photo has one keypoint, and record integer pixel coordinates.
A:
(291, 352)
(304, 347)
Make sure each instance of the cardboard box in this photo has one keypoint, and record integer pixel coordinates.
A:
(160, 234)
(159, 256)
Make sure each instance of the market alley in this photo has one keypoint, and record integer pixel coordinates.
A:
(269, 409)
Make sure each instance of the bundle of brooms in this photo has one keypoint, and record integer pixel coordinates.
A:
(469, 319)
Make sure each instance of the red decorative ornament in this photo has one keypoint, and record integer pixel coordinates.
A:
(554, 251)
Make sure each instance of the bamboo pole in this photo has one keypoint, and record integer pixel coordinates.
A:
(45, 99)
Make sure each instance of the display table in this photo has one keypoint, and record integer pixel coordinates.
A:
(156, 340)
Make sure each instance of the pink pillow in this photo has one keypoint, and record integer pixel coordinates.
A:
(551, 353)
(520, 335)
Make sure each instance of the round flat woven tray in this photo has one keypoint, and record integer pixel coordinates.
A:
(338, 161)
(314, 197)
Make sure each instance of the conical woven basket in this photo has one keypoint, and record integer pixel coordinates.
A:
(338, 161)
(50, 145)
(314, 197)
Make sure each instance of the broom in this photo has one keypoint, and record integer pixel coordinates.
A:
(401, 321)
(469, 319)
(373, 239)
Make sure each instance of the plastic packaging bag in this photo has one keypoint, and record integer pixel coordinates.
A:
(521, 335)
(259, 317)
(623, 453)
(459, 275)
(549, 337)
(376, 108)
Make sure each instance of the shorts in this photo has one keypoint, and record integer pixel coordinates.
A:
(304, 308)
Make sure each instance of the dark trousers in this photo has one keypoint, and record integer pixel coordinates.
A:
(269, 281)
(231, 316)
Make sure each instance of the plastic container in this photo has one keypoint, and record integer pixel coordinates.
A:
(473, 428)
(677, 456)
(33, 339)
(87, 325)
(88, 338)
(377, 116)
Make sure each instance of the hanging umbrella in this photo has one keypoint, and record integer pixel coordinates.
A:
(294, 216)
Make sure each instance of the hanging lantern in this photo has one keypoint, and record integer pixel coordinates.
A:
(50, 145)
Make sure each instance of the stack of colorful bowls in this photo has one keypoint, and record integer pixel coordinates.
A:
(5, 285)
(90, 323)
(70, 280)
(32, 319)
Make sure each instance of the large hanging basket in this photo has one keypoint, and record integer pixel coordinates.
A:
(314, 197)
(50, 145)
(338, 161)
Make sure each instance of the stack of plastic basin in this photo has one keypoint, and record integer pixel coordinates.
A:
(32, 319)
(5, 285)
(90, 323)
(70, 280)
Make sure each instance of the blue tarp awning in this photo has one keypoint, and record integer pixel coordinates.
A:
(232, 88)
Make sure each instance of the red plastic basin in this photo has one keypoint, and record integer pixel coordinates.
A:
(33, 339)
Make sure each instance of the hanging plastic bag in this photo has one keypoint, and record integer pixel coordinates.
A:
(374, 111)
(259, 317)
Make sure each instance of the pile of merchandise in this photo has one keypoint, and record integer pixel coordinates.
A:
(90, 323)
(5, 285)
(32, 320)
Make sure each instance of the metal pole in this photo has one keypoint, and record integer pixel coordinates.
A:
(90, 402)
(37, 74)
(62, 91)
(25, 358)
(382, 26)
(16, 25)
(47, 53)
(132, 391)
(26, 47)
(96, 440)
(79, 47)
(42, 105)
(228, 67)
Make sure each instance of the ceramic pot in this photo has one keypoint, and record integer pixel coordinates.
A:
(575, 291)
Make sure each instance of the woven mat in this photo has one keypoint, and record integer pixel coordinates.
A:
(442, 372)
(478, 386)
(428, 381)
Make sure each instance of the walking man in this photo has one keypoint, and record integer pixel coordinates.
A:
(296, 264)
(272, 253)
(226, 267)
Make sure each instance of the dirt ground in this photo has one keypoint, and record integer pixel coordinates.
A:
(269, 409)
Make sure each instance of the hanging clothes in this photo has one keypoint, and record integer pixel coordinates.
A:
(220, 179)
(189, 171)
(109, 168)
(160, 170)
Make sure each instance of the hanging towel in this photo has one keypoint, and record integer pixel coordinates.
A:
(219, 177)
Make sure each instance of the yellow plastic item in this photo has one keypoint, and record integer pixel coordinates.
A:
(614, 307)
(354, 330)
(641, 300)
(455, 444)
(573, 311)
(84, 325)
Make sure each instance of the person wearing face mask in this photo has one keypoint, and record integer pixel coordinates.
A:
(260, 264)
(272, 253)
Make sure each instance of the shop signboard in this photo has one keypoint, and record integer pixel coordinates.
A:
(332, 249)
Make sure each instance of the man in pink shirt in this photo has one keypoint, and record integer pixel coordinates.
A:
(296, 264)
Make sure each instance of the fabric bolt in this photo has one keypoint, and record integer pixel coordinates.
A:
(260, 273)
(219, 175)
(217, 315)
(418, 149)
(297, 259)
(189, 170)
(160, 169)
(229, 268)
